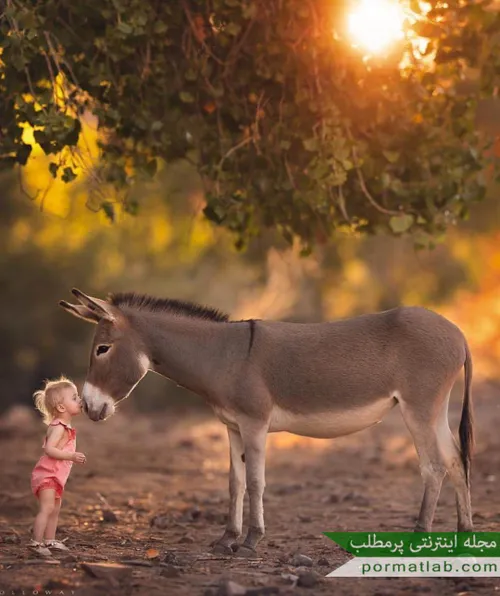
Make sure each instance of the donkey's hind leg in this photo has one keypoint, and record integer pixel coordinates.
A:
(432, 465)
(455, 467)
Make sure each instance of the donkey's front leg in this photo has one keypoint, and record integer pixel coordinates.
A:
(236, 495)
(254, 440)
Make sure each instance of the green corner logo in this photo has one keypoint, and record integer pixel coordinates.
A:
(409, 554)
(413, 544)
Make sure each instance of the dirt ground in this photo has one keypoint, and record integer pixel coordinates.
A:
(153, 495)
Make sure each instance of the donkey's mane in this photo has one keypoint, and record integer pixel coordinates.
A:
(181, 307)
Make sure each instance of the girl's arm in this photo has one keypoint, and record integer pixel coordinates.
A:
(54, 436)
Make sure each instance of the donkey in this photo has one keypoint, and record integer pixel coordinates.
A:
(318, 380)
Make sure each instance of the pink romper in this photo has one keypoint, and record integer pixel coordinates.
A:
(50, 472)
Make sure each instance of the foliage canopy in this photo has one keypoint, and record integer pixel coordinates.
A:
(288, 125)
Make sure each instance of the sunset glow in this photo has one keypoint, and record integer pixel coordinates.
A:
(375, 24)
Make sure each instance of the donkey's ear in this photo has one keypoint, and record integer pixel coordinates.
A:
(80, 311)
(99, 307)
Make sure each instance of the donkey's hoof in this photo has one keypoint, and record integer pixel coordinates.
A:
(222, 549)
(247, 552)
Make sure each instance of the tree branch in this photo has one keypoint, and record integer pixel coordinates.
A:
(362, 182)
(23, 189)
(239, 145)
(197, 37)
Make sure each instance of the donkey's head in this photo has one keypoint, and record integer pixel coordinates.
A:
(117, 361)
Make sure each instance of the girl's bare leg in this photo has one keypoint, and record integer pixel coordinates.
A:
(47, 499)
(51, 527)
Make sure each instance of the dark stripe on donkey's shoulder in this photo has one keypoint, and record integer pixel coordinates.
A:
(253, 324)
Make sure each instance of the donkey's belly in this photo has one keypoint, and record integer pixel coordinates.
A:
(327, 425)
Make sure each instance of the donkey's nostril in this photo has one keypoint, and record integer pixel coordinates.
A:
(102, 413)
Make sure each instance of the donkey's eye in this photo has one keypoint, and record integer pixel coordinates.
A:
(102, 350)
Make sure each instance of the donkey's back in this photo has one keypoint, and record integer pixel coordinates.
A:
(348, 364)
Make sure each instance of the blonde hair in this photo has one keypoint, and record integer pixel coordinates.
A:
(48, 398)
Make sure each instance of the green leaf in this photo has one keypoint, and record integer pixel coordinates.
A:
(40, 137)
(422, 239)
(53, 168)
(213, 215)
(160, 27)
(68, 175)
(191, 75)
(71, 138)
(401, 223)
(217, 91)
(391, 156)
(233, 29)
(311, 144)
(186, 97)
(132, 207)
(23, 154)
(250, 10)
(109, 210)
(124, 28)
(288, 236)
(151, 167)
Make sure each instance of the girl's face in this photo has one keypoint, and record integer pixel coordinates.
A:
(71, 401)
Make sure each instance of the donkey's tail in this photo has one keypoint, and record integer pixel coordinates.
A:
(466, 428)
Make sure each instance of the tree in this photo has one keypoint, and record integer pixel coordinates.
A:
(287, 124)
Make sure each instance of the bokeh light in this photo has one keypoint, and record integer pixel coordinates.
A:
(376, 24)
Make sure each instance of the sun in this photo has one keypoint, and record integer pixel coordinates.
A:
(376, 24)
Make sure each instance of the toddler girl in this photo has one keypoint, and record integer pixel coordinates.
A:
(58, 401)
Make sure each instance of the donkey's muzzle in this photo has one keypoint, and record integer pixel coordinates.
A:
(96, 405)
(97, 414)
(104, 412)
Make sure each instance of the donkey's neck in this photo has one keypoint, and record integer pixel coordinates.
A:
(194, 353)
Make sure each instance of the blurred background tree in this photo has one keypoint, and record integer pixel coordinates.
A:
(288, 125)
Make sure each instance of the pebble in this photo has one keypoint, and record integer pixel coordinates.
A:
(109, 516)
(231, 588)
(109, 571)
(170, 558)
(187, 539)
(170, 571)
(299, 560)
(357, 499)
(160, 521)
(307, 579)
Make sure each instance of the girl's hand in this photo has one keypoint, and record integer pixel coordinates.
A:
(79, 458)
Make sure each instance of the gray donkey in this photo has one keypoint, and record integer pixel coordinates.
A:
(317, 380)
